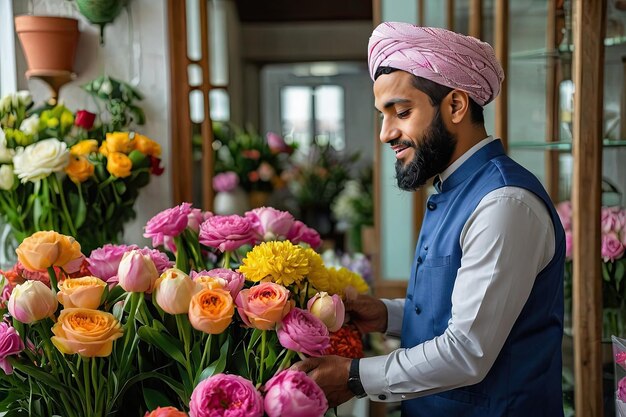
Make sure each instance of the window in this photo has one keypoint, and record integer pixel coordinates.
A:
(8, 79)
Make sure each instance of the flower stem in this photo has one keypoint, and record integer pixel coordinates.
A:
(226, 260)
(286, 360)
(182, 259)
(183, 330)
(87, 382)
(262, 366)
(53, 279)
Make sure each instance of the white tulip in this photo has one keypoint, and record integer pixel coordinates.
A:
(30, 126)
(41, 159)
(6, 154)
(24, 97)
(7, 178)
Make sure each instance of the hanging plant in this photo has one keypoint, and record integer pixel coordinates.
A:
(101, 12)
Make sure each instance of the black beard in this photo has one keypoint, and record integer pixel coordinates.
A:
(432, 155)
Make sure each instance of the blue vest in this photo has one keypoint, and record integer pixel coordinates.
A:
(525, 380)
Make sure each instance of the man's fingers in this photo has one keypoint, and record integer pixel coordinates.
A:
(305, 365)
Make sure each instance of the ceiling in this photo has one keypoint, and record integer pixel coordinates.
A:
(266, 11)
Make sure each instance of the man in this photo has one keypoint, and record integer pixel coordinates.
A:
(481, 324)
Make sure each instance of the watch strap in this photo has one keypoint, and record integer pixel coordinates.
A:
(354, 380)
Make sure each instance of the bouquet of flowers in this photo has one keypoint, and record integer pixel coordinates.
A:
(65, 172)
(214, 333)
(619, 355)
(613, 247)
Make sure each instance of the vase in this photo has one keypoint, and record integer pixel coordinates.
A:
(49, 43)
(231, 202)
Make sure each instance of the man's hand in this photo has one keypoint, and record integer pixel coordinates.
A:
(331, 374)
(367, 313)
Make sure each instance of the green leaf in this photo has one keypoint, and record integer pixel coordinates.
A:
(619, 272)
(166, 343)
(154, 399)
(81, 210)
(217, 366)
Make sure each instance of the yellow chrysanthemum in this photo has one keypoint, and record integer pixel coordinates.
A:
(318, 275)
(281, 262)
(340, 278)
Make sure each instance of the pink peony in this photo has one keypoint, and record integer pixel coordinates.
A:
(621, 390)
(225, 396)
(10, 344)
(234, 280)
(564, 210)
(612, 248)
(170, 222)
(226, 181)
(303, 332)
(103, 262)
(299, 232)
(270, 224)
(226, 233)
(195, 219)
(569, 244)
(293, 394)
(620, 359)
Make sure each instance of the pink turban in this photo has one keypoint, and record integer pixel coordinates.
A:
(447, 58)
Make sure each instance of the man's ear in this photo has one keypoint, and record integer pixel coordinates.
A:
(459, 104)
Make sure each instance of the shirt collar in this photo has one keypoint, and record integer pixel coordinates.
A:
(439, 179)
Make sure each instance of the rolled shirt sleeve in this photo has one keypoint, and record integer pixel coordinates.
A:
(497, 273)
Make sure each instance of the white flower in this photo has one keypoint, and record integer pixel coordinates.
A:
(30, 126)
(41, 159)
(106, 87)
(5, 103)
(6, 154)
(7, 178)
(24, 97)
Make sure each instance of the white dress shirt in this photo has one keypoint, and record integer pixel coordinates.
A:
(505, 243)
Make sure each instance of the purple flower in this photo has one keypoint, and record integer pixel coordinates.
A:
(170, 222)
(225, 396)
(270, 224)
(103, 262)
(226, 233)
(293, 394)
(234, 280)
(299, 232)
(10, 344)
(226, 181)
(303, 332)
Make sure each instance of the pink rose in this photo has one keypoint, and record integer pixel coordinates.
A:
(263, 305)
(225, 396)
(269, 223)
(226, 181)
(612, 248)
(610, 220)
(564, 210)
(293, 394)
(170, 222)
(299, 232)
(103, 262)
(621, 390)
(226, 233)
(569, 244)
(234, 280)
(10, 344)
(303, 332)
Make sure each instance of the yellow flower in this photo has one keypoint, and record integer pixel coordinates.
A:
(89, 333)
(281, 262)
(52, 122)
(119, 164)
(318, 275)
(343, 277)
(84, 147)
(146, 145)
(79, 169)
(42, 250)
(117, 142)
(83, 292)
(67, 119)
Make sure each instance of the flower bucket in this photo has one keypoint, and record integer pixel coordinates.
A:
(49, 43)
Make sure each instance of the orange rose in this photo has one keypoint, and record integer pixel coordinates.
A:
(211, 311)
(146, 145)
(165, 412)
(79, 169)
(263, 305)
(84, 292)
(84, 147)
(119, 164)
(44, 249)
(89, 333)
(117, 142)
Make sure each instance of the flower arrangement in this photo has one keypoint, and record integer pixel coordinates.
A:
(613, 247)
(257, 161)
(212, 334)
(66, 172)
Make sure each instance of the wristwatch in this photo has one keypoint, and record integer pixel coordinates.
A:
(354, 380)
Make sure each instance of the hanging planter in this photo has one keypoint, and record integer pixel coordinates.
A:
(101, 12)
(49, 44)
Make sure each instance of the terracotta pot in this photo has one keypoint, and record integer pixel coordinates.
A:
(49, 43)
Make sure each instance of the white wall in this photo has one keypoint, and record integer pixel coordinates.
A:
(135, 51)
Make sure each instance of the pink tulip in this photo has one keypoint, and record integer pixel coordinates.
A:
(270, 224)
(32, 301)
(329, 309)
(173, 291)
(137, 272)
(293, 394)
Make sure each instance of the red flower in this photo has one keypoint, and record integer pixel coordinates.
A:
(155, 167)
(346, 342)
(84, 119)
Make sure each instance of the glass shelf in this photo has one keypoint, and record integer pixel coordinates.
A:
(560, 146)
(563, 52)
